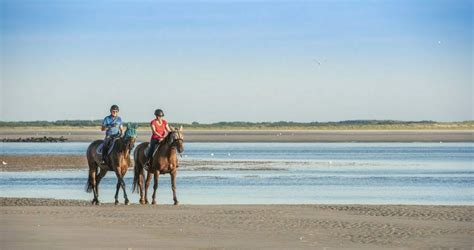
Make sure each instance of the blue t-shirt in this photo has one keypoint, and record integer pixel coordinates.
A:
(110, 121)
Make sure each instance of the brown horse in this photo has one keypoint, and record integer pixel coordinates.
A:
(118, 161)
(164, 161)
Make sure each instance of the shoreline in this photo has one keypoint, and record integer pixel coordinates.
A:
(89, 135)
(56, 224)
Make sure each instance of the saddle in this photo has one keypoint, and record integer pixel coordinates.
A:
(157, 147)
(101, 146)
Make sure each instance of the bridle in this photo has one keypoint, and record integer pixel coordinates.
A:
(129, 141)
(174, 143)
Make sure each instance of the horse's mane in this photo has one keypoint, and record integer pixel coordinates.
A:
(168, 139)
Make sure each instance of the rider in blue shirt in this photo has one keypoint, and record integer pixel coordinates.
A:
(112, 124)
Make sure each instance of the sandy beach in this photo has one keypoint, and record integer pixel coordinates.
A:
(89, 135)
(59, 224)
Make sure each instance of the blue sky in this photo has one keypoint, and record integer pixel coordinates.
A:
(211, 61)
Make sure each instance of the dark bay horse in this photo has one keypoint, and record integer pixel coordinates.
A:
(164, 161)
(119, 161)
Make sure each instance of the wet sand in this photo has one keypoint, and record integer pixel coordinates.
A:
(66, 224)
(22, 163)
(88, 135)
(27, 163)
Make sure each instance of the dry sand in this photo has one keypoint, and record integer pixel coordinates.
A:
(53, 224)
(88, 135)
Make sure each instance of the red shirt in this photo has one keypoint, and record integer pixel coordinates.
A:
(161, 129)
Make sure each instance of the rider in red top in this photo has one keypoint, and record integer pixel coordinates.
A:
(159, 129)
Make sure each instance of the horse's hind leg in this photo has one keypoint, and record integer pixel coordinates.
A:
(93, 183)
(147, 185)
(155, 186)
(96, 189)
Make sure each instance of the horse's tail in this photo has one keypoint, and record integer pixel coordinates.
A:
(137, 168)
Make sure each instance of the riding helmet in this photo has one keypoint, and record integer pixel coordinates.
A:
(114, 107)
(159, 112)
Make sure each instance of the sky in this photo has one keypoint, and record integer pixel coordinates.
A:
(211, 61)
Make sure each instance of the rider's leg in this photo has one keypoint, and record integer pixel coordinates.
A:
(105, 148)
(151, 150)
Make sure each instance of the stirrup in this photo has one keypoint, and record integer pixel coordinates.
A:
(147, 164)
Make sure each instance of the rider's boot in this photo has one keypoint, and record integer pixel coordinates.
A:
(104, 156)
(147, 163)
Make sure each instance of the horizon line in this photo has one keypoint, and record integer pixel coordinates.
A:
(254, 122)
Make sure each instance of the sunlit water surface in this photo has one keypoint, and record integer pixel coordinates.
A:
(276, 173)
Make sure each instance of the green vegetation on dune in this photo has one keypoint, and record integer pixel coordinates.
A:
(282, 125)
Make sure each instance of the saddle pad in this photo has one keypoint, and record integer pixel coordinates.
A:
(148, 148)
(101, 146)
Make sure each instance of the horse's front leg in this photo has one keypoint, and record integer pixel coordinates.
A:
(173, 186)
(117, 188)
(120, 183)
(155, 186)
(147, 185)
(124, 192)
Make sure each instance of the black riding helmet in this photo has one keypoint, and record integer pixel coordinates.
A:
(114, 107)
(159, 112)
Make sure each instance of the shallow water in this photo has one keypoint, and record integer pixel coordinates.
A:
(279, 173)
(282, 151)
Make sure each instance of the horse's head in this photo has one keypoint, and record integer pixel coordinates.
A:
(130, 135)
(177, 139)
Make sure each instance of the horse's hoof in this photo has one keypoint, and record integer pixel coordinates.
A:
(116, 202)
(146, 202)
(142, 202)
(153, 203)
(176, 203)
(127, 202)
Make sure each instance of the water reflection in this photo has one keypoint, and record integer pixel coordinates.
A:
(278, 183)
